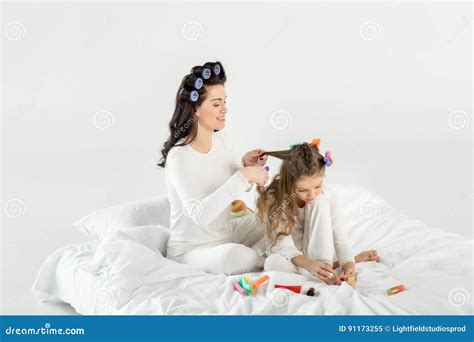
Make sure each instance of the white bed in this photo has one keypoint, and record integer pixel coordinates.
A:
(125, 273)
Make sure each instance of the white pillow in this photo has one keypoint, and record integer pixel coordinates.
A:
(154, 237)
(152, 211)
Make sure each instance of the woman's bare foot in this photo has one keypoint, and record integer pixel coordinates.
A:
(370, 255)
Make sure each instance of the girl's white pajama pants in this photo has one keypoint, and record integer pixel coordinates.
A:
(324, 242)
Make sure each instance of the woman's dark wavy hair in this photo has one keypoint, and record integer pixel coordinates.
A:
(183, 124)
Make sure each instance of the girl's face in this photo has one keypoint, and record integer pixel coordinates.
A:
(211, 113)
(308, 188)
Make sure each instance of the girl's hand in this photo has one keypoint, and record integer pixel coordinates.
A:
(254, 157)
(349, 268)
(255, 174)
(321, 270)
(348, 274)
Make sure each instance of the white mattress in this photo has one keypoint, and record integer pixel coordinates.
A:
(123, 276)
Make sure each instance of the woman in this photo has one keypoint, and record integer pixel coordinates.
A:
(203, 178)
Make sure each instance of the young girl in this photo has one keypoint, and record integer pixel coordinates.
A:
(299, 235)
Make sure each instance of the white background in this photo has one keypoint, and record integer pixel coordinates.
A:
(88, 93)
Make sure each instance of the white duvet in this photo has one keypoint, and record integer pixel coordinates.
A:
(126, 275)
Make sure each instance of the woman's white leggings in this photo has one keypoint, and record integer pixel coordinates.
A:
(242, 255)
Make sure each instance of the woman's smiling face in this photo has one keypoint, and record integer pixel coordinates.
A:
(211, 113)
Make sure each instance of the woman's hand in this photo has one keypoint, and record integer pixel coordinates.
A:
(254, 157)
(321, 270)
(255, 174)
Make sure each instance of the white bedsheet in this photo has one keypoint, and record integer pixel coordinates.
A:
(121, 276)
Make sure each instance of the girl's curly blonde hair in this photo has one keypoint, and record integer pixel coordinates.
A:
(276, 202)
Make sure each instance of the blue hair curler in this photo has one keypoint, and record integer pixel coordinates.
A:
(194, 95)
(198, 83)
(217, 69)
(206, 73)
